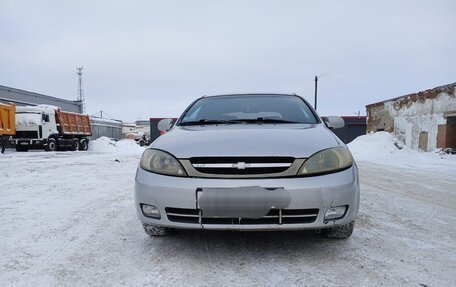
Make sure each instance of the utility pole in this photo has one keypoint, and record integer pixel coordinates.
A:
(80, 89)
(316, 86)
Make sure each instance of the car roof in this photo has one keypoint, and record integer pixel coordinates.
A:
(250, 94)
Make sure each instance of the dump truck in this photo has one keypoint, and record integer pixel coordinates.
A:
(50, 128)
(7, 123)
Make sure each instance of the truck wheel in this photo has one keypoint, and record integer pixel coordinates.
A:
(2, 145)
(84, 145)
(22, 148)
(75, 145)
(339, 232)
(51, 145)
(154, 230)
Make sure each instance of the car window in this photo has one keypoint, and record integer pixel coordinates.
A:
(192, 116)
(230, 108)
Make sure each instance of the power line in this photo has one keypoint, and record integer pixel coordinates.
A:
(103, 115)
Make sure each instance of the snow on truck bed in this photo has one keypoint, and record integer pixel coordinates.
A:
(68, 219)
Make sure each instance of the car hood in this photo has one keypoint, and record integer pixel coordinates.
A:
(299, 141)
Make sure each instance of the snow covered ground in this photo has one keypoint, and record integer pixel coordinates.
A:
(68, 219)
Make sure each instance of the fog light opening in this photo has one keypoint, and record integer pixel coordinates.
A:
(335, 212)
(150, 211)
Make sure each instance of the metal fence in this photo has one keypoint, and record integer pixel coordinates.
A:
(104, 127)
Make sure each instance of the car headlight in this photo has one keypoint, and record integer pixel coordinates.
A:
(328, 160)
(161, 162)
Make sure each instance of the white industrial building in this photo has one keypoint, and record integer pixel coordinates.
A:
(100, 126)
(422, 121)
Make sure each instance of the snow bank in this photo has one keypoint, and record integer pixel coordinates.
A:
(29, 119)
(384, 148)
(375, 145)
(107, 145)
(48, 109)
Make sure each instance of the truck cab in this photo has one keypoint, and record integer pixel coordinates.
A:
(34, 125)
(49, 128)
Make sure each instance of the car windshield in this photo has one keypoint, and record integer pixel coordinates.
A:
(275, 109)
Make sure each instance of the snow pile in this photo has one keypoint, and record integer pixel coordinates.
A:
(28, 119)
(48, 109)
(107, 145)
(384, 148)
(374, 145)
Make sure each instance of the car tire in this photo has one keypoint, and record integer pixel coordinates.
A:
(154, 230)
(339, 232)
(51, 145)
(84, 145)
(75, 145)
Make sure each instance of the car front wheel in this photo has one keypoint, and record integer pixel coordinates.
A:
(51, 145)
(154, 230)
(84, 145)
(75, 145)
(339, 232)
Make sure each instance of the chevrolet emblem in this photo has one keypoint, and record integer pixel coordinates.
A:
(239, 165)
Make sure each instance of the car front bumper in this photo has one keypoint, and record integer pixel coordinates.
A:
(28, 142)
(314, 193)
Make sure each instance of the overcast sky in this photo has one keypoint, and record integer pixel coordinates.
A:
(152, 58)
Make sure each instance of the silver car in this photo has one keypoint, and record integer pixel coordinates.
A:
(248, 162)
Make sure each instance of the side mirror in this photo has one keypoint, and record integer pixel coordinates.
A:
(165, 125)
(334, 122)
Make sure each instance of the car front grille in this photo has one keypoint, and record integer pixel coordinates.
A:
(25, 135)
(275, 216)
(241, 165)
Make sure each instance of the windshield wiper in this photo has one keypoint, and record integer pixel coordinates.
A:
(267, 120)
(238, 121)
(207, 122)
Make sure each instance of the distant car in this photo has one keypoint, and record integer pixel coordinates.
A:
(248, 162)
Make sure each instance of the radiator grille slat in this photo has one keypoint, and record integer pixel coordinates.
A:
(26, 135)
(275, 216)
(241, 165)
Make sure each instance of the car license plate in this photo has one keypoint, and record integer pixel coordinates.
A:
(242, 202)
